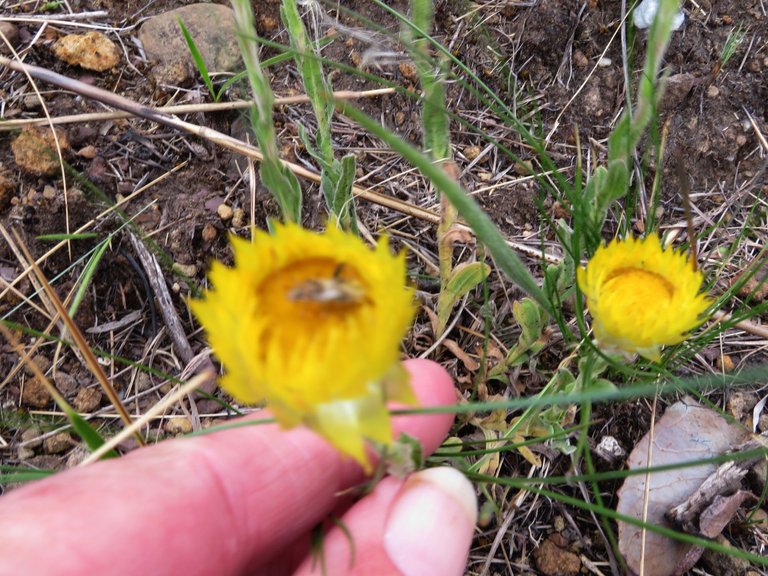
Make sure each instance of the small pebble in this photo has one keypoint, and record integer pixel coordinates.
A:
(87, 152)
(523, 168)
(87, 400)
(76, 457)
(225, 212)
(580, 59)
(178, 425)
(409, 71)
(35, 150)
(92, 51)
(713, 91)
(57, 443)
(49, 192)
(188, 270)
(24, 453)
(268, 24)
(609, 449)
(31, 437)
(64, 383)
(35, 394)
(209, 233)
(11, 34)
(31, 102)
(472, 152)
(238, 219)
(725, 363)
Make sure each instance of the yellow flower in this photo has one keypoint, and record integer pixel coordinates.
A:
(641, 296)
(311, 324)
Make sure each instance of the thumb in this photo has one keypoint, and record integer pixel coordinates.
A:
(421, 525)
(431, 522)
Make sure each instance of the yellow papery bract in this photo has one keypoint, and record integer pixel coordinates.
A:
(641, 296)
(311, 324)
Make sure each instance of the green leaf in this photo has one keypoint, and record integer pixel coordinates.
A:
(343, 202)
(285, 186)
(613, 187)
(530, 318)
(199, 61)
(463, 278)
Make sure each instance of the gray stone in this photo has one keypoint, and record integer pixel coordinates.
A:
(211, 26)
(11, 34)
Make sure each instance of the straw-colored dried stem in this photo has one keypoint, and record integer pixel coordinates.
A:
(746, 325)
(148, 416)
(9, 125)
(79, 339)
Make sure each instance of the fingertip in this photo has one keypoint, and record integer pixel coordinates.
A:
(431, 383)
(441, 503)
(433, 386)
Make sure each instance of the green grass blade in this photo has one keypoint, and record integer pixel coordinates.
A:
(199, 61)
(87, 276)
(280, 181)
(315, 84)
(60, 237)
(476, 218)
(10, 475)
(87, 433)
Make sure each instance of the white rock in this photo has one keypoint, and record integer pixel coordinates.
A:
(645, 12)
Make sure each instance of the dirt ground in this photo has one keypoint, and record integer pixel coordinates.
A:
(560, 62)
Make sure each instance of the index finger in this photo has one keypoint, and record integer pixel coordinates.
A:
(207, 505)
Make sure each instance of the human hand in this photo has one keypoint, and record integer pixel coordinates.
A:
(244, 501)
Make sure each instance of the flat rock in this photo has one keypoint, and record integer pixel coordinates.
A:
(211, 26)
(92, 51)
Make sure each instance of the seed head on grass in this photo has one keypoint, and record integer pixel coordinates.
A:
(311, 324)
(641, 296)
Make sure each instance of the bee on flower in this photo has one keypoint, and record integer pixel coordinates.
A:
(311, 324)
(642, 297)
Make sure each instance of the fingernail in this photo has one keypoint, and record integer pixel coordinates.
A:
(430, 525)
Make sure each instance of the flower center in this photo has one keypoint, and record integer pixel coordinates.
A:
(315, 290)
(638, 287)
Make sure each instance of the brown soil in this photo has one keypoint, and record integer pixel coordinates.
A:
(560, 63)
